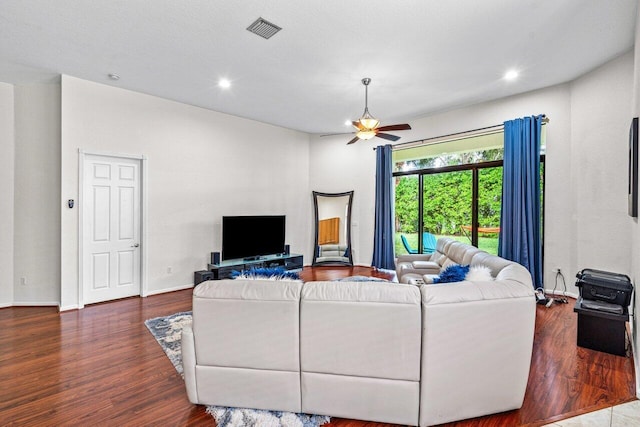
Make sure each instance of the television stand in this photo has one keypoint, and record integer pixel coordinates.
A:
(224, 269)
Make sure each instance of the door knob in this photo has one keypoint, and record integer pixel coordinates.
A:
(135, 245)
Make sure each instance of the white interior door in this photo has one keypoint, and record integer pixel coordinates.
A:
(111, 228)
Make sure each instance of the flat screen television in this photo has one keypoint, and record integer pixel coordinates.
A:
(252, 236)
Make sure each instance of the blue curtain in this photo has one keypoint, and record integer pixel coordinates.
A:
(520, 228)
(383, 242)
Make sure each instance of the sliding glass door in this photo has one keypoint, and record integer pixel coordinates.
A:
(460, 201)
(406, 210)
(451, 187)
(446, 205)
(489, 203)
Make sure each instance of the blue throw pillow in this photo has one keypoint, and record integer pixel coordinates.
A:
(266, 273)
(453, 273)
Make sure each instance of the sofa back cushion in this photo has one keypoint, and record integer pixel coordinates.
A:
(495, 263)
(503, 269)
(461, 253)
(363, 329)
(440, 254)
(247, 324)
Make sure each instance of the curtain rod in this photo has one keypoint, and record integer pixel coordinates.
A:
(488, 130)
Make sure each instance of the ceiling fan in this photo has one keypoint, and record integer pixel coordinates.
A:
(368, 126)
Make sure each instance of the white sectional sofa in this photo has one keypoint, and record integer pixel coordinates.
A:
(386, 352)
(418, 268)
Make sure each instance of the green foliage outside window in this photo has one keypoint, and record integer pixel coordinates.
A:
(447, 198)
(447, 201)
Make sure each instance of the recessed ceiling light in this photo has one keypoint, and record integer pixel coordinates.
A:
(114, 76)
(347, 122)
(224, 83)
(511, 75)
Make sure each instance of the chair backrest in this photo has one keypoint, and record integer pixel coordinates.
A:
(428, 243)
(407, 246)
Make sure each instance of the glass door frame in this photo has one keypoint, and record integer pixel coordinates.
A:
(474, 168)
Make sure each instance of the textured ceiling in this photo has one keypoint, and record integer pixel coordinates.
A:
(423, 56)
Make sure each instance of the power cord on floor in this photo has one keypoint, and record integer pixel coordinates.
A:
(563, 299)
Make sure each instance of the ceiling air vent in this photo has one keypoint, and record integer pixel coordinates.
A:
(263, 28)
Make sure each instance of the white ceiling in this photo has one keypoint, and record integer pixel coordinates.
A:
(423, 56)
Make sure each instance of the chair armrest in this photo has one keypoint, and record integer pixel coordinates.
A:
(189, 364)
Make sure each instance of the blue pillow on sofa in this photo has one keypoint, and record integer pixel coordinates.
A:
(453, 273)
(274, 273)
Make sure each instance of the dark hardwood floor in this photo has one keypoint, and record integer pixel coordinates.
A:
(101, 366)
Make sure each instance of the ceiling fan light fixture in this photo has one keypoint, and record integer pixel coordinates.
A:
(366, 134)
(368, 121)
(367, 126)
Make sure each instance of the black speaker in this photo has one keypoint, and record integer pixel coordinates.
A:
(286, 249)
(202, 276)
(215, 257)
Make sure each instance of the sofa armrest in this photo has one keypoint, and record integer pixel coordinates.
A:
(466, 291)
(413, 257)
(189, 364)
(477, 336)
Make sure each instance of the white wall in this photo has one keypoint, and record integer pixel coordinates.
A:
(337, 168)
(7, 146)
(37, 195)
(201, 165)
(600, 119)
(583, 161)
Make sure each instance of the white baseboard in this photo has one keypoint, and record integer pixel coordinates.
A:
(35, 303)
(164, 291)
(68, 307)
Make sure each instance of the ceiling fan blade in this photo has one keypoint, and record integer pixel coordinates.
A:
(353, 140)
(403, 126)
(335, 134)
(387, 136)
(357, 125)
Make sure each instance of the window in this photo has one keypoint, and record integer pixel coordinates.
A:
(451, 187)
